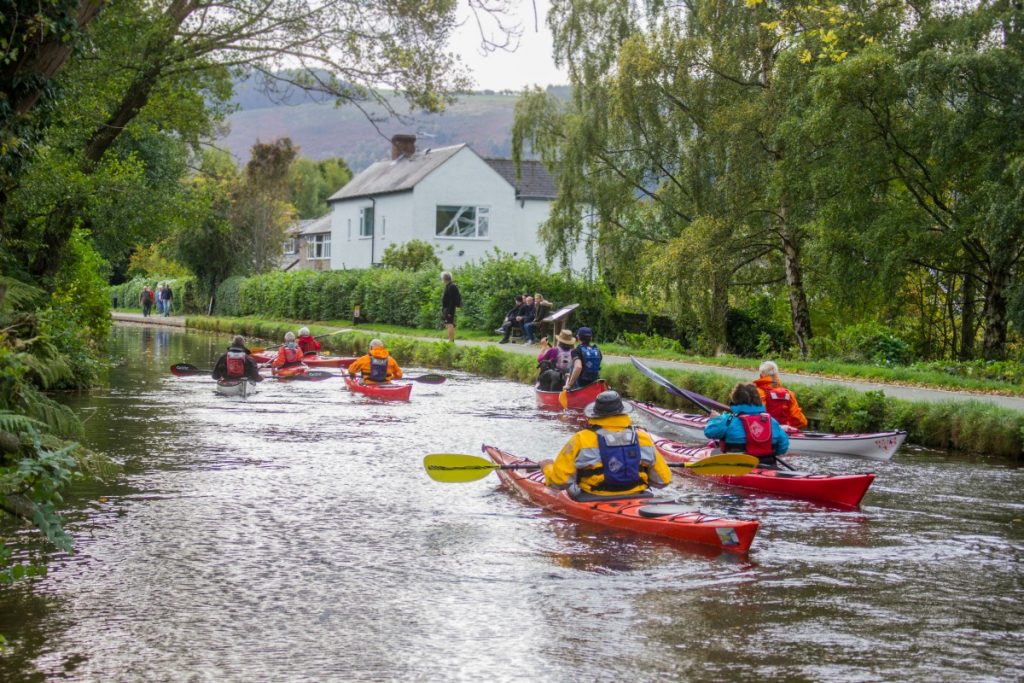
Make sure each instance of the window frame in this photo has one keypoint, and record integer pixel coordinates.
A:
(321, 240)
(363, 212)
(480, 211)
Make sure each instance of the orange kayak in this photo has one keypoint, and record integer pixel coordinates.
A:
(642, 515)
(578, 398)
(384, 392)
(289, 372)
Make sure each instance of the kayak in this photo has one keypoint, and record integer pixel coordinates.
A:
(642, 515)
(322, 361)
(876, 446)
(841, 490)
(578, 398)
(233, 387)
(384, 392)
(289, 372)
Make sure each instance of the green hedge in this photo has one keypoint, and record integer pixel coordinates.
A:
(970, 427)
(187, 296)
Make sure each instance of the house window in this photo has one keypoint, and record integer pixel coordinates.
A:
(463, 221)
(289, 246)
(318, 246)
(366, 221)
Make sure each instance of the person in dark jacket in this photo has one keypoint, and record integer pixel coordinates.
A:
(451, 299)
(237, 363)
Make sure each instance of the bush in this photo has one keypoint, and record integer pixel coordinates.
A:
(864, 343)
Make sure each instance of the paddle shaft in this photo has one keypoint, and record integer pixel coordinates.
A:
(703, 402)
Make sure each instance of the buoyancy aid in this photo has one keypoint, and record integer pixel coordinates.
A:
(778, 402)
(235, 362)
(620, 460)
(308, 344)
(563, 360)
(591, 357)
(758, 429)
(378, 369)
(292, 353)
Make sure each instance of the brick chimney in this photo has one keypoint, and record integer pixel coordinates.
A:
(402, 146)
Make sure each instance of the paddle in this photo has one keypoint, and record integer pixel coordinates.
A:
(707, 404)
(311, 376)
(563, 399)
(187, 370)
(429, 378)
(458, 468)
(261, 349)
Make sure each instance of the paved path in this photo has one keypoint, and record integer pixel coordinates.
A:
(893, 390)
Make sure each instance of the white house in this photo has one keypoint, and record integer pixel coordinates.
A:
(308, 246)
(449, 197)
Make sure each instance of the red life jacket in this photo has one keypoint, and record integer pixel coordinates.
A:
(308, 344)
(235, 363)
(758, 429)
(778, 402)
(292, 354)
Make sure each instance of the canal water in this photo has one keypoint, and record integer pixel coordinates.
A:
(293, 536)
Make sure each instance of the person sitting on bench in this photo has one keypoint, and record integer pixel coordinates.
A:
(513, 318)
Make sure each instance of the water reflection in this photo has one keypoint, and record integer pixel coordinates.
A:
(293, 536)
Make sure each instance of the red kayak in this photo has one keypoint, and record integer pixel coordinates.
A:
(312, 360)
(289, 372)
(578, 398)
(842, 490)
(642, 515)
(384, 392)
(876, 446)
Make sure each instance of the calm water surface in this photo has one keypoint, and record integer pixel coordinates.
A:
(293, 536)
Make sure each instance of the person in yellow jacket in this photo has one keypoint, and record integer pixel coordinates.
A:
(611, 458)
(778, 401)
(376, 367)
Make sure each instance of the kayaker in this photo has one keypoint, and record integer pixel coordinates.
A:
(779, 401)
(237, 363)
(586, 361)
(748, 428)
(610, 458)
(376, 367)
(307, 343)
(289, 355)
(554, 363)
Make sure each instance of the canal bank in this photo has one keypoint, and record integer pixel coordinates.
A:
(937, 419)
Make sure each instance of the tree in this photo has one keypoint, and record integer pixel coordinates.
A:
(260, 208)
(411, 255)
(312, 182)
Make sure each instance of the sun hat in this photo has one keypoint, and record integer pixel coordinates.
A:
(607, 404)
(565, 337)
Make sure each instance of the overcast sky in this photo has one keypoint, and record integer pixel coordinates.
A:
(530, 64)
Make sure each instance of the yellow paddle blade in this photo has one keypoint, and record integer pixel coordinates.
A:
(563, 399)
(724, 464)
(256, 349)
(456, 468)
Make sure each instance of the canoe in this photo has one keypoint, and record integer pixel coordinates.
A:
(578, 398)
(876, 446)
(643, 515)
(289, 372)
(384, 392)
(322, 361)
(233, 387)
(840, 490)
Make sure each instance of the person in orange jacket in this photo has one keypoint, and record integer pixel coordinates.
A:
(779, 401)
(376, 367)
(307, 343)
(289, 355)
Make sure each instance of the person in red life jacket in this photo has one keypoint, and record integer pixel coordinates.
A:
(556, 362)
(610, 458)
(376, 367)
(237, 363)
(289, 355)
(586, 361)
(779, 401)
(748, 428)
(307, 343)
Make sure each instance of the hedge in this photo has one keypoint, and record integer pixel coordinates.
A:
(187, 296)
(970, 427)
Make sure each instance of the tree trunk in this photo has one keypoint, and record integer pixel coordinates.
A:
(967, 318)
(800, 312)
(993, 341)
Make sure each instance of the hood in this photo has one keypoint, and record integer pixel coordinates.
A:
(379, 352)
(613, 421)
(765, 382)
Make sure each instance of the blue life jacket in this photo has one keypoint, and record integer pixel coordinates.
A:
(378, 369)
(591, 357)
(620, 465)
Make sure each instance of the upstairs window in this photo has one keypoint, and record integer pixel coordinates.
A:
(366, 221)
(318, 246)
(463, 221)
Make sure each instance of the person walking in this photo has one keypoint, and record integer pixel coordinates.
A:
(168, 298)
(159, 296)
(451, 299)
(146, 301)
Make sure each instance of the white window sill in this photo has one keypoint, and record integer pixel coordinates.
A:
(462, 239)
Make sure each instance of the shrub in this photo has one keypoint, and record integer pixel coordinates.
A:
(863, 343)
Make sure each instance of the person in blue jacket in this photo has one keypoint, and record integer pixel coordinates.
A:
(748, 428)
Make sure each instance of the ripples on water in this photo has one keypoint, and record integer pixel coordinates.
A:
(294, 536)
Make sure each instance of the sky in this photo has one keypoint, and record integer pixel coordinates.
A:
(531, 64)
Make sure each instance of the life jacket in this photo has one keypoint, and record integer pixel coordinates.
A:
(378, 369)
(778, 402)
(235, 363)
(591, 357)
(308, 344)
(563, 360)
(292, 353)
(758, 430)
(620, 464)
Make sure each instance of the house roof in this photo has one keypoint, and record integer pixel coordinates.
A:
(534, 183)
(397, 175)
(311, 226)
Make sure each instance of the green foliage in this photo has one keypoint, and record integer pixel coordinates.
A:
(312, 182)
(864, 343)
(651, 342)
(411, 255)
(151, 262)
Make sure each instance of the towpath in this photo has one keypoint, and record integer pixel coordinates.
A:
(908, 393)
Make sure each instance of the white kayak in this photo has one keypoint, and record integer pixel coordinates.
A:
(877, 446)
(234, 387)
